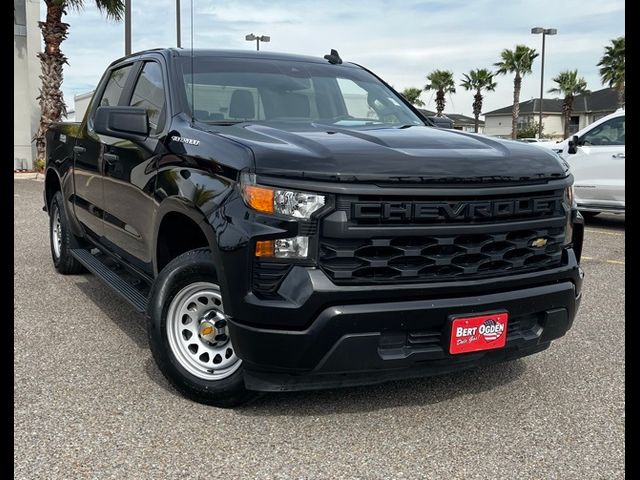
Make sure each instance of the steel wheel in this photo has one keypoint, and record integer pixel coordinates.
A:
(198, 334)
(56, 233)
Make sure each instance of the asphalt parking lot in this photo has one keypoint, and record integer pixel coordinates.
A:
(90, 402)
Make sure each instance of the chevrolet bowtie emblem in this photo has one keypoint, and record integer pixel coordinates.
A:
(539, 242)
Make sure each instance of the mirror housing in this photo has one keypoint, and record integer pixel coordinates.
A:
(130, 123)
(573, 144)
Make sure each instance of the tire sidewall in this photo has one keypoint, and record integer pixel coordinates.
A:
(57, 206)
(192, 267)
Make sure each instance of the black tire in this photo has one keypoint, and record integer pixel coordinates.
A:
(187, 269)
(589, 215)
(64, 262)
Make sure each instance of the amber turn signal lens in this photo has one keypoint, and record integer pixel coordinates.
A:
(265, 248)
(259, 198)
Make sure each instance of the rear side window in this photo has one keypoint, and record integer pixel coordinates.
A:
(149, 94)
(115, 85)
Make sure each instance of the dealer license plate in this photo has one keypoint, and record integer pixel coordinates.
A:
(480, 332)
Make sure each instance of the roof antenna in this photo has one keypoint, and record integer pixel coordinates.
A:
(333, 57)
(193, 105)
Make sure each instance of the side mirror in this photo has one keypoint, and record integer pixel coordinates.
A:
(573, 144)
(130, 123)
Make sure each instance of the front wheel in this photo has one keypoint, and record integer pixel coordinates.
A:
(188, 332)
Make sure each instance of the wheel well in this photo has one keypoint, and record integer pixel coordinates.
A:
(177, 234)
(51, 186)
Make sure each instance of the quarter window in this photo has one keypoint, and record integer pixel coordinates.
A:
(149, 94)
(115, 85)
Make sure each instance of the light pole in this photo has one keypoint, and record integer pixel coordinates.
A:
(127, 27)
(544, 32)
(178, 39)
(258, 38)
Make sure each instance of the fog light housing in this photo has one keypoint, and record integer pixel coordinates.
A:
(295, 247)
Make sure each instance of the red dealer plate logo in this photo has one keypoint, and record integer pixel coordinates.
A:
(482, 332)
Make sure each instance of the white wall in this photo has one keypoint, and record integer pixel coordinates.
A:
(500, 125)
(26, 82)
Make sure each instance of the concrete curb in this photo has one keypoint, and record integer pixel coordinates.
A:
(28, 175)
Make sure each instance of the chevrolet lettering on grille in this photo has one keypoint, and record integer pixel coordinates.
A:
(475, 210)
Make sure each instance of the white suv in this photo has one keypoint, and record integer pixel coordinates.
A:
(596, 157)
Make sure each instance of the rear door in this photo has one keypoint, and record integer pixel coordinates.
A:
(598, 165)
(88, 184)
(129, 172)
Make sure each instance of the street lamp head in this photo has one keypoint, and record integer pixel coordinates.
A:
(537, 30)
(550, 31)
(265, 38)
(251, 37)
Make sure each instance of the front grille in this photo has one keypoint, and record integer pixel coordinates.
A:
(395, 250)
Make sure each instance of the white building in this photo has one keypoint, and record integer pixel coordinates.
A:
(586, 109)
(26, 81)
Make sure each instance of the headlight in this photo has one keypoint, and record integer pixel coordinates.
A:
(569, 200)
(569, 197)
(291, 203)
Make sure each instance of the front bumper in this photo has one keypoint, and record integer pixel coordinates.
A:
(317, 334)
(364, 343)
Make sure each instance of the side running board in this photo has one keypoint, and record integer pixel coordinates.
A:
(132, 289)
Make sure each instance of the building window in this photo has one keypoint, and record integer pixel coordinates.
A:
(19, 18)
(574, 125)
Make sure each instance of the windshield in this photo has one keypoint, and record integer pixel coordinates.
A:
(233, 90)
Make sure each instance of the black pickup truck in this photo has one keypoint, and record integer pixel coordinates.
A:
(288, 222)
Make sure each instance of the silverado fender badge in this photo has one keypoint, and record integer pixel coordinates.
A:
(539, 242)
(190, 141)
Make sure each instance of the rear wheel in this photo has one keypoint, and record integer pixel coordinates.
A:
(188, 332)
(62, 239)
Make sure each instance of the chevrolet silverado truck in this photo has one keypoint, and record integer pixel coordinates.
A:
(289, 223)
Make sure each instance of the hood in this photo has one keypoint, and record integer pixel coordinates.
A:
(413, 154)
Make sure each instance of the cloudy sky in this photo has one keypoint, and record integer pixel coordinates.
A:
(402, 41)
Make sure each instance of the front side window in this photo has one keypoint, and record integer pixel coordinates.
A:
(610, 132)
(233, 90)
(149, 94)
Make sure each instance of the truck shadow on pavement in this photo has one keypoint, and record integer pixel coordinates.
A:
(609, 221)
(401, 393)
(427, 391)
(117, 309)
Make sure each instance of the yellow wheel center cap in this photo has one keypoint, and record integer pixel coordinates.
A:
(207, 331)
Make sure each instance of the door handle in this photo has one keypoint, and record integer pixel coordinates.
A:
(78, 149)
(111, 158)
(618, 155)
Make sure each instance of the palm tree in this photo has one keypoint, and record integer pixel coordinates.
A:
(52, 60)
(479, 79)
(441, 81)
(412, 94)
(569, 85)
(612, 67)
(518, 61)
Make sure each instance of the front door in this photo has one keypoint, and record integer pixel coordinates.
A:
(598, 165)
(129, 175)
